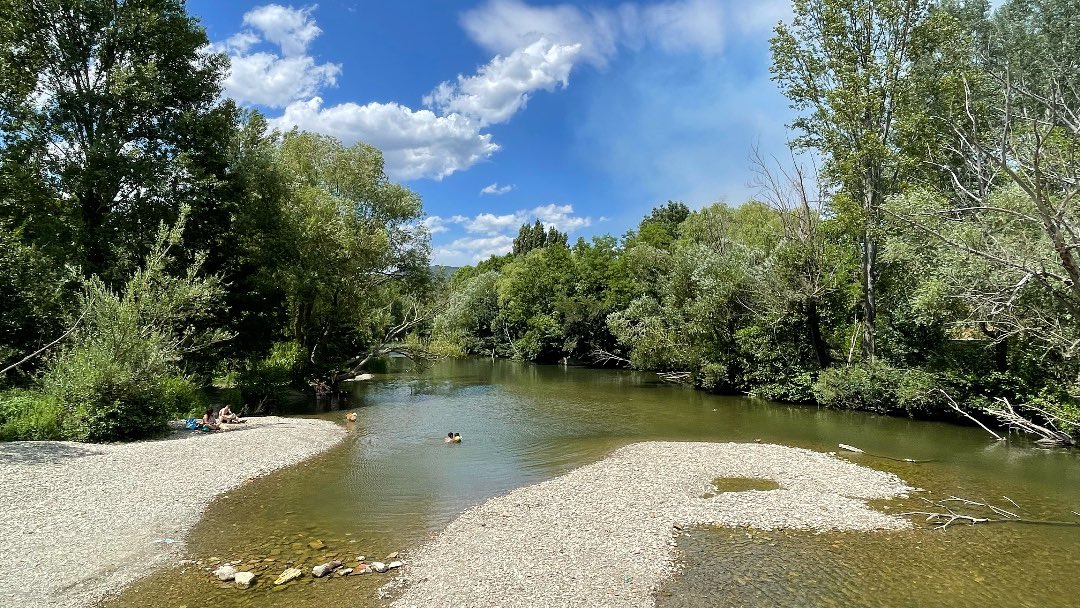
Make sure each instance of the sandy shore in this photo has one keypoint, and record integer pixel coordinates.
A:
(604, 534)
(81, 520)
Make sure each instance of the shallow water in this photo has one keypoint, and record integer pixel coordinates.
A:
(394, 482)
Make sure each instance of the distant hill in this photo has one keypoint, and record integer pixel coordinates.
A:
(443, 272)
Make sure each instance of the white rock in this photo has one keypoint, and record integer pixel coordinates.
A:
(394, 564)
(345, 572)
(379, 567)
(324, 569)
(225, 573)
(244, 579)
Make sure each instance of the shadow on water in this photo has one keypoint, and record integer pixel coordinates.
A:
(393, 483)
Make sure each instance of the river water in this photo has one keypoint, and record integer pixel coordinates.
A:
(394, 482)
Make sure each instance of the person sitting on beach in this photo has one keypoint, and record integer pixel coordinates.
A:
(209, 421)
(449, 438)
(226, 415)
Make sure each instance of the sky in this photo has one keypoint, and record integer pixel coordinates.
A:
(583, 115)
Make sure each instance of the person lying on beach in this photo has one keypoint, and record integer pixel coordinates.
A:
(226, 415)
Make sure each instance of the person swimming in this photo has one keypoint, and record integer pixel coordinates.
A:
(449, 438)
(457, 437)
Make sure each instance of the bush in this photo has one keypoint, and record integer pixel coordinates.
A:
(857, 387)
(119, 375)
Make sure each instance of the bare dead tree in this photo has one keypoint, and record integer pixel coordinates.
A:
(797, 196)
(1048, 433)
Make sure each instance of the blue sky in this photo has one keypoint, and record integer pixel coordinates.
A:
(584, 115)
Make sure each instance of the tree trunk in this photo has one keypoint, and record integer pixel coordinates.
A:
(813, 322)
(869, 268)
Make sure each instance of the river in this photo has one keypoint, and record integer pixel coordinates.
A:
(394, 482)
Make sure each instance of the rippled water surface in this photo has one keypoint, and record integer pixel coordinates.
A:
(394, 482)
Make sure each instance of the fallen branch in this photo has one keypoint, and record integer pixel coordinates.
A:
(946, 515)
(603, 357)
(851, 448)
(1047, 434)
(956, 407)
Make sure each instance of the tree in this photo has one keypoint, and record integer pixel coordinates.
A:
(846, 65)
(352, 248)
(104, 106)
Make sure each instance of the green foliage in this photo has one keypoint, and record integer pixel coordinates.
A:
(120, 375)
(29, 415)
(265, 383)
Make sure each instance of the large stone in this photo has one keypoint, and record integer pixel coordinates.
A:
(225, 573)
(323, 569)
(244, 579)
(392, 556)
(288, 575)
(394, 564)
(345, 572)
(317, 545)
(379, 567)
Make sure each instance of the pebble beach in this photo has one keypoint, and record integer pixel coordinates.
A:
(83, 520)
(604, 534)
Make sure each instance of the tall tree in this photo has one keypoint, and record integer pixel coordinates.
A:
(103, 106)
(846, 65)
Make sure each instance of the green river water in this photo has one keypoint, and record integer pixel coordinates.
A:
(393, 483)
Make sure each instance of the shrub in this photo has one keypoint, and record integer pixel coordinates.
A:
(858, 387)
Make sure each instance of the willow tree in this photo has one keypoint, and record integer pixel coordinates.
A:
(846, 66)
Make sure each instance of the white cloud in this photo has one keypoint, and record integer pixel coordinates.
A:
(496, 190)
(470, 250)
(273, 81)
(502, 26)
(291, 29)
(415, 143)
(497, 231)
(502, 87)
(559, 216)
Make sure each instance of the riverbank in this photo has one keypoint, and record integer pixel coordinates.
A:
(604, 534)
(83, 520)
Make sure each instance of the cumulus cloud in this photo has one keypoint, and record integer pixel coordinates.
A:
(495, 189)
(561, 217)
(502, 87)
(415, 143)
(291, 29)
(274, 79)
(496, 231)
(469, 250)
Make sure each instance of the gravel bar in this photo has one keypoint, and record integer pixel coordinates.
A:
(82, 520)
(604, 534)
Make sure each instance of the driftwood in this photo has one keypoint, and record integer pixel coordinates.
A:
(1049, 434)
(674, 377)
(946, 513)
(851, 448)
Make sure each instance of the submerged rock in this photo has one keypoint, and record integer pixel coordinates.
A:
(317, 545)
(392, 555)
(288, 575)
(225, 573)
(324, 569)
(244, 579)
